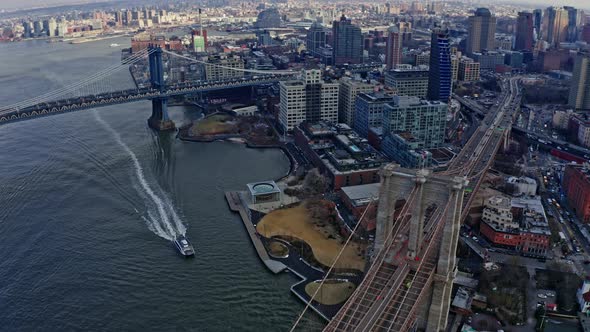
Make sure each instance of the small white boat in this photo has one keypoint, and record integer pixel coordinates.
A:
(183, 246)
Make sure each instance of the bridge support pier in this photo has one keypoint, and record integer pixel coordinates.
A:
(160, 120)
(395, 186)
(417, 221)
(446, 267)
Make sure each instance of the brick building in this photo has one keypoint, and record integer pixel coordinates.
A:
(519, 224)
(576, 184)
(339, 153)
(142, 41)
(357, 198)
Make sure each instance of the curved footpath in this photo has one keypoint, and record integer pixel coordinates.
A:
(293, 262)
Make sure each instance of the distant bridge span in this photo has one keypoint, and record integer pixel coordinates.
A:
(62, 101)
(127, 96)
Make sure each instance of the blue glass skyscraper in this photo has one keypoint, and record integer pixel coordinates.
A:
(440, 78)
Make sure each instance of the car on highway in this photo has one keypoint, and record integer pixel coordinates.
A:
(542, 296)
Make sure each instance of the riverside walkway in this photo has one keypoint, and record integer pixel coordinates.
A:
(236, 204)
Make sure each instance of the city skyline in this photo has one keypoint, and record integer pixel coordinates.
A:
(30, 4)
(407, 163)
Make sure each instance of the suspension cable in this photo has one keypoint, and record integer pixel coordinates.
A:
(71, 88)
(333, 264)
(95, 77)
(82, 83)
(398, 226)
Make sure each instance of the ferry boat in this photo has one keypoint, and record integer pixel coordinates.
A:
(183, 246)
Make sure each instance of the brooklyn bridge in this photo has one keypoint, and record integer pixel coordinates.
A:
(409, 282)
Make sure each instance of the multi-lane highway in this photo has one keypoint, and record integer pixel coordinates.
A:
(477, 155)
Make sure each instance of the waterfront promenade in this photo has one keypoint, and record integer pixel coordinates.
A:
(237, 205)
(293, 262)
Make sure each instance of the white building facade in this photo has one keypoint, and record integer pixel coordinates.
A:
(309, 99)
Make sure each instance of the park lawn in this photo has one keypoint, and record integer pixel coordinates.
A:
(331, 292)
(296, 222)
(215, 124)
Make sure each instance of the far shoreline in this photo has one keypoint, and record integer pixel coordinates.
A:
(238, 139)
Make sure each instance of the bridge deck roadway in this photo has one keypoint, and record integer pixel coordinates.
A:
(383, 304)
(127, 96)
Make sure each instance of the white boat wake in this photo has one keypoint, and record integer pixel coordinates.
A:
(161, 216)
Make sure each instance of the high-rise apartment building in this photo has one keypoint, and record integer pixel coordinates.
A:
(49, 27)
(411, 125)
(27, 29)
(555, 25)
(579, 97)
(412, 81)
(538, 22)
(118, 18)
(316, 38)
(455, 67)
(349, 90)
(468, 70)
(347, 42)
(425, 120)
(128, 17)
(309, 99)
(440, 78)
(46, 31)
(38, 28)
(585, 35)
(574, 20)
(524, 32)
(52, 27)
(393, 48)
(482, 29)
(62, 28)
(369, 111)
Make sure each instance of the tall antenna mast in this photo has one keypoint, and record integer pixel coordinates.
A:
(200, 24)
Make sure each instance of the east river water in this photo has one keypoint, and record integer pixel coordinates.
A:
(89, 201)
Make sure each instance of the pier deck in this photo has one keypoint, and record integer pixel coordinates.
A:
(237, 205)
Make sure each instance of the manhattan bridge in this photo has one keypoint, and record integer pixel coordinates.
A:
(96, 89)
